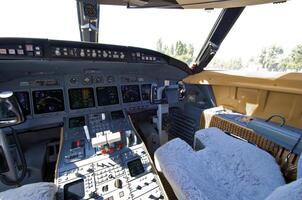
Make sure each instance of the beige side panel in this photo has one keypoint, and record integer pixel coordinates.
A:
(255, 96)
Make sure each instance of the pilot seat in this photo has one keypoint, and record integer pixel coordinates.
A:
(222, 167)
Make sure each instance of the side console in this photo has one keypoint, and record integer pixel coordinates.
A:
(102, 157)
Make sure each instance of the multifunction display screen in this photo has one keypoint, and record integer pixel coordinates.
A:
(23, 99)
(47, 101)
(107, 95)
(135, 167)
(81, 98)
(130, 93)
(77, 122)
(74, 190)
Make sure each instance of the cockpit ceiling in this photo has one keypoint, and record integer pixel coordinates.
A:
(187, 4)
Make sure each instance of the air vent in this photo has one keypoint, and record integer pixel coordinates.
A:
(182, 126)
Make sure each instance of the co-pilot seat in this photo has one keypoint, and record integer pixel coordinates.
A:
(222, 168)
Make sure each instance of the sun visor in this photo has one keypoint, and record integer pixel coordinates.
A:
(222, 3)
(188, 4)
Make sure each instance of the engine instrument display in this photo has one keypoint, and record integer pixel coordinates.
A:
(117, 115)
(130, 93)
(23, 99)
(81, 98)
(47, 101)
(76, 122)
(146, 90)
(107, 95)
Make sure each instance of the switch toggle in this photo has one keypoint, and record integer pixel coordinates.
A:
(118, 183)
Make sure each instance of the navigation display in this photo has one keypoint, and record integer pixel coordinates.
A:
(81, 98)
(130, 93)
(23, 99)
(107, 95)
(146, 90)
(47, 101)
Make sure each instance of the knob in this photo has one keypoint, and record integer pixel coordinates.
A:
(93, 195)
(118, 183)
(138, 187)
(105, 188)
(78, 174)
(90, 170)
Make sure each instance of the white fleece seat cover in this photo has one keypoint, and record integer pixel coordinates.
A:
(35, 191)
(292, 191)
(226, 169)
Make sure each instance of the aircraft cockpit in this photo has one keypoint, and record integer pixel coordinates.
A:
(89, 120)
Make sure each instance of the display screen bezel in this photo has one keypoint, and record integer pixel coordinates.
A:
(135, 167)
(123, 90)
(72, 101)
(61, 98)
(67, 194)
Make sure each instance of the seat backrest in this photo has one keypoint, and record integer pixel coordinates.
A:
(288, 167)
(217, 171)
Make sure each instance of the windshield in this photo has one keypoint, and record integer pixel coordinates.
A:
(265, 38)
(176, 32)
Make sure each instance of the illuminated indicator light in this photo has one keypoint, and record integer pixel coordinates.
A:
(29, 47)
(20, 52)
(3, 51)
(78, 143)
(111, 150)
(104, 151)
(12, 51)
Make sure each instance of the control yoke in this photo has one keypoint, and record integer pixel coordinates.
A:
(10, 114)
(167, 94)
(10, 111)
(163, 96)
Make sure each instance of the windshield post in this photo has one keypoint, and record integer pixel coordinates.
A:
(88, 17)
(221, 28)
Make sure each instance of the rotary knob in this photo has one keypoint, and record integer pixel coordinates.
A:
(118, 183)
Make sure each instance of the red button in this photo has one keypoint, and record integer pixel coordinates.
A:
(78, 143)
(111, 150)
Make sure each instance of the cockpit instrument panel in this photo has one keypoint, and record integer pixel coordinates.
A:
(47, 101)
(81, 98)
(130, 93)
(107, 95)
